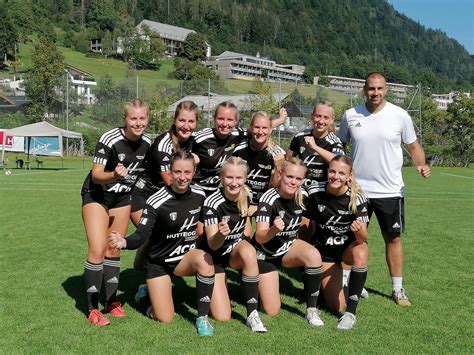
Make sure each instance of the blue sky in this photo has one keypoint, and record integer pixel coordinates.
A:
(454, 17)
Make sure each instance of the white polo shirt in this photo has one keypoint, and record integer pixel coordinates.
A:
(376, 150)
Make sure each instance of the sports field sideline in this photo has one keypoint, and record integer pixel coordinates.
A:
(43, 249)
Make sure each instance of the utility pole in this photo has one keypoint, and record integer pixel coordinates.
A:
(67, 110)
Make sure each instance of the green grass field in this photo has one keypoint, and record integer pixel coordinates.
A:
(43, 249)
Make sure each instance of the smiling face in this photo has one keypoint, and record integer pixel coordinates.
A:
(182, 172)
(292, 177)
(225, 121)
(375, 89)
(261, 128)
(233, 179)
(136, 121)
(185, 123)
(339, 174)
(323, 120)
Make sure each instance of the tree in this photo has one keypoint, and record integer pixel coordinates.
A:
(461, 127)
(8, 33)
(44, 78)
(194, 47)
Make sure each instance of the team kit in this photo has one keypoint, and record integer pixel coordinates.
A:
(228, 197)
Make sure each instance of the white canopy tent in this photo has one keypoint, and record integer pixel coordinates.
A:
(42, 129)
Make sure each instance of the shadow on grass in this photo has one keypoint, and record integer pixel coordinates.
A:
(378, 293)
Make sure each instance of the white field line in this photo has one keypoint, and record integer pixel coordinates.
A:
(41, 183)
(14, 173)
(459, 176)
(23, 189)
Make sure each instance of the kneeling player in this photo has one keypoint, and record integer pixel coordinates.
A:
(279, 217)
(339, 210)
(169, 221)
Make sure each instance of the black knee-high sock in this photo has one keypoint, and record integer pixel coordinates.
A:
(93, 280)
(312, 283)
(356, 284)
(204, 288)
(111, 278)
(250, 292)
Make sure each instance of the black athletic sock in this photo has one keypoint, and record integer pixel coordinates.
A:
(356, 284)
(111, 278)
(250, 292)
(93, 280)
(204, 288)
(312, 283)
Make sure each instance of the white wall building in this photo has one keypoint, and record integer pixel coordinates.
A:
(81, 83)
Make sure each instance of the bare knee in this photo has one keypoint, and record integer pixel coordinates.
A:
(163, 318)
(360, 257)
(272, 309)
(221, 316)
(312, 258)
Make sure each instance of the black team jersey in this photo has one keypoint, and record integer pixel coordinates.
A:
(169, 222)
(114, 148)
(333, 216)
(272, 205)
(217, 208)
(261, 165)
(158, 158)
(213, 152)
(316, 165)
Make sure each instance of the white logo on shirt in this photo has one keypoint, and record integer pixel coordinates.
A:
(101, 151)
(173, 216)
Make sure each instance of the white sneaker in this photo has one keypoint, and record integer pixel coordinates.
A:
(347, 321)
(313, 317)
(254, 322)
(364, 293)
(400, 298)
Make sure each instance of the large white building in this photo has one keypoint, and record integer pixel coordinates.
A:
(231, 65)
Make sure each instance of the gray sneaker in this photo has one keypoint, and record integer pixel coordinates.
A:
(400, 298)
(347, 321)
(255, 323)
(313, 317)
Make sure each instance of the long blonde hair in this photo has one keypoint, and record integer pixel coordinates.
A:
(298, 162)
(354, 188)
(183, 105)
(244, 194)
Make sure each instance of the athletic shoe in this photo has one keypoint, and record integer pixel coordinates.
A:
(347, 321)
(255, 323)
(97, 318)
(149, 313)
(116, 310)
(313, 317)
(203, 327)
(401, 298)
(142, 292)
(364, 293)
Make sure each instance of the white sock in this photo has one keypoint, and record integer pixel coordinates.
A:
(345, 277)
(397, 283)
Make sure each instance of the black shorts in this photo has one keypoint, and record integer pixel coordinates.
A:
(390, 212)
(269, 265)
(140, 193)
(331, 254)
(220, 262)
(107, 199)
(154, 270)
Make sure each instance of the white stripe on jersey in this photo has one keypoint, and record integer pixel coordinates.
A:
(242, 145)
(100, 161)
(332, 138)
(165, 145)
(263, 219)
(158, 198)
(214, 200)
(276, 150)
(197, 189)
(305, 132)
(204, 134)
(361, 199)
(315, 188)
(146, 138)
(110, 137)
(270, 196)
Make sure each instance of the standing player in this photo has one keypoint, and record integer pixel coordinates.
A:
(339, 212)
(106, 202)
(214, 145)
(169, 221)
(279, 217)
(317, 146)
(377, 129)
(226, 226)
(263, 157)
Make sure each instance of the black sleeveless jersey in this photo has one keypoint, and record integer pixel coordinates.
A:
(316, 165)
(158, 158)
(213, 152)
(272, 205)
(169, 222)
(333, 216)
(261, 165)
(114, 148)
(217, 208)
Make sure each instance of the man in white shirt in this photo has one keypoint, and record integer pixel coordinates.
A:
(377, 129)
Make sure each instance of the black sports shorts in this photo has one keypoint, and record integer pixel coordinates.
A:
(154, 270)
(140, 193)
(390, 212)
(106, 199)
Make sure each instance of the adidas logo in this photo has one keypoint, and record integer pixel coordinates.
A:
(364, 210)
(358, 124)
(396, 225)
(101, 151)
(354, 298)
(252, 300)
(166, 159)
(209, 213)
(263, 209)
(92, 289)
(113, 280)
(205, 299)
(315, 294)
